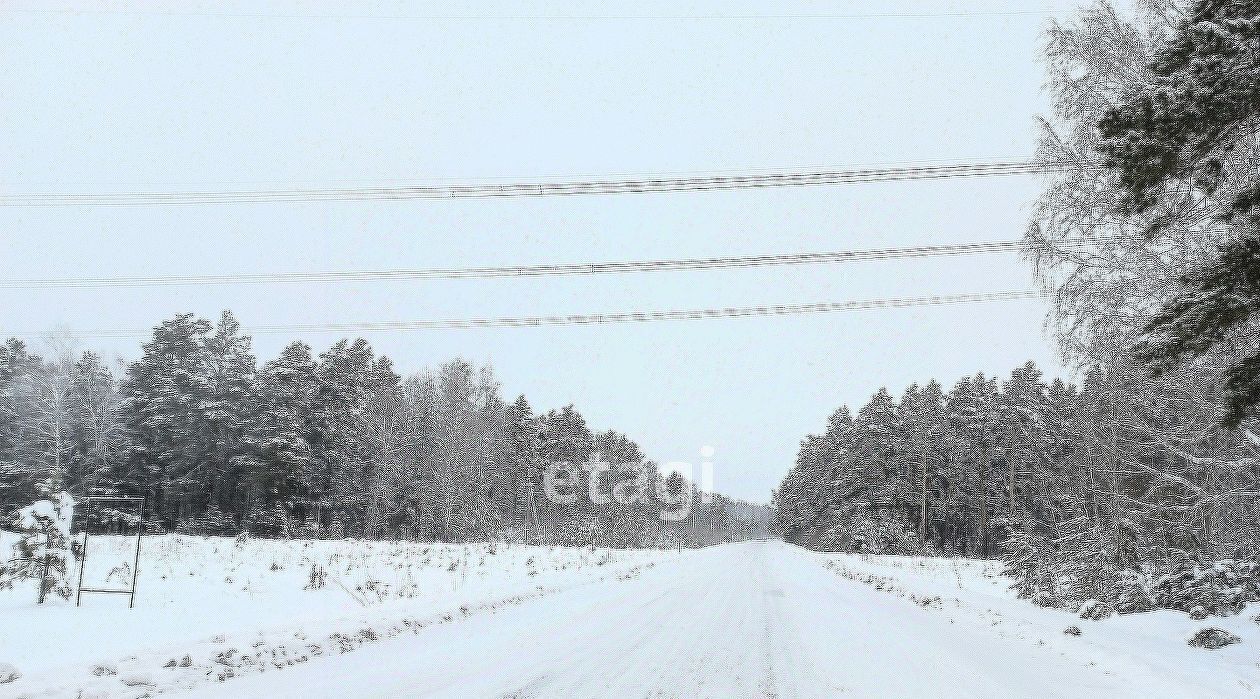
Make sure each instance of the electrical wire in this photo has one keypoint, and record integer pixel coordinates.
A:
(542, 270)
(963, 14)
(778, 310)
(544, 188)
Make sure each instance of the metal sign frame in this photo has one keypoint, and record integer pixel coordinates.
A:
(135, 566)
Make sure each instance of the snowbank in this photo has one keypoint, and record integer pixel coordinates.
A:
(973, 592)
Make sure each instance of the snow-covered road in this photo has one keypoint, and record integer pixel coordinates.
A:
(760, 619)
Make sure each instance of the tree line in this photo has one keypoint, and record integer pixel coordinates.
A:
(332, 445)
(1077, 487)
(1140, 487)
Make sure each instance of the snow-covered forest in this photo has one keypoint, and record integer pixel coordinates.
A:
(1091, 493)
(1130, 487)
(333, 445)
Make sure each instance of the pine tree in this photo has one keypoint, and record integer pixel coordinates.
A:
(1022, 406)
(283, 471)
(342, 387)
(44, 551)
(921, 413)
(229, 414)
(1192, 126)
(566, 443)
(524, 445)
(17, 476)
(565, 437)
(971, 407)
(164, 399)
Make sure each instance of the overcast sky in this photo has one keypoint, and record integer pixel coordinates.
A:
(215, 96)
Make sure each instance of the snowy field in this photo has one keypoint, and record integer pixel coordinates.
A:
(219, 608)
(216, 618)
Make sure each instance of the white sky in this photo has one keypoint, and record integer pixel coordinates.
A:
(327, 94)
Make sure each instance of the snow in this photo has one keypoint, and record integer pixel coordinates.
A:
(1148, 650)
(58, 514)
(202, 596)
(766, 619)
(755, 619)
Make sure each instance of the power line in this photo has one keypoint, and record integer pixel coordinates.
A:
(543, 270)
(614, 318)
(541, 176)
(543, 188)
(964, 14)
